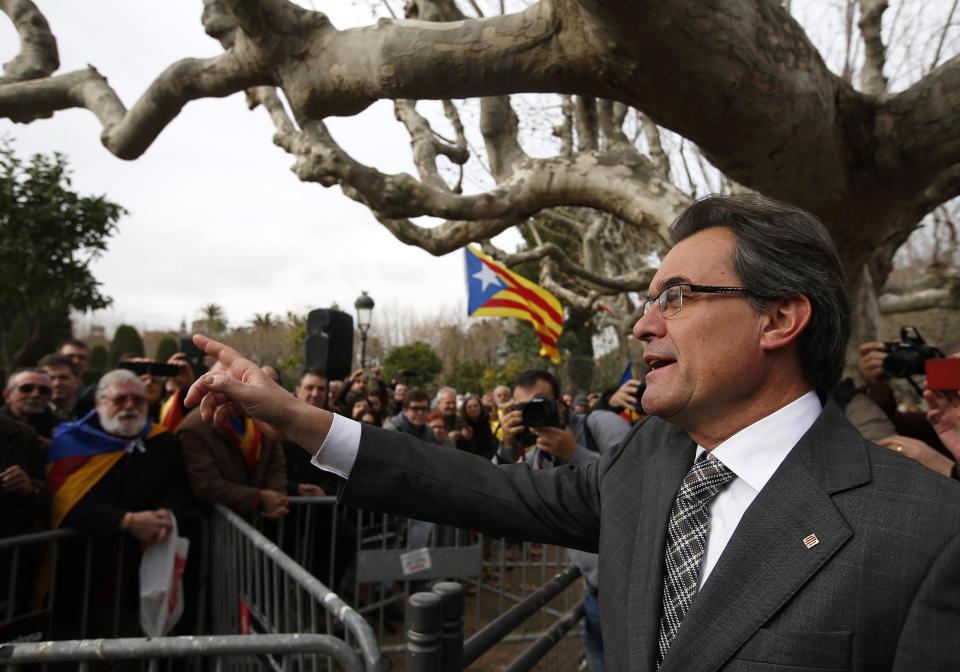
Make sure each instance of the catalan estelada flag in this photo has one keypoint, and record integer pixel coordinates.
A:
(79, 456)
(628, 413)
(171, 410)
(495, 291)
(245, 436)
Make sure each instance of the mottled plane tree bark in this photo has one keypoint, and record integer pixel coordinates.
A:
(739, 79)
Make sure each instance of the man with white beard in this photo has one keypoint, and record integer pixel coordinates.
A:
(133, 469)
(121, 478)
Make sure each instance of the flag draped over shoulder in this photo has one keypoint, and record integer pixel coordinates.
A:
(495, 291)
(245, 436)
(628, 413)
(79, 456)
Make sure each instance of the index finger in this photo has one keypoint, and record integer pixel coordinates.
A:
(870, 346)
(224, 353)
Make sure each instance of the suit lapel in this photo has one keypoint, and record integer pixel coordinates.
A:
(660, 477)
(766, 561)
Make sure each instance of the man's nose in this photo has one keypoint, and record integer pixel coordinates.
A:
(651, 325)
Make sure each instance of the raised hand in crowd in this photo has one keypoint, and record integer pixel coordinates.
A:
(626, 395)
(513, 428)
(273, 504)
(870, 365)
(944, 415)
(14, 480)
(148, 527)
(919, 451)
(556, 441)
(185, 376)
(358, 381)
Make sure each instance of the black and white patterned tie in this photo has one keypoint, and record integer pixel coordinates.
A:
(686, 541)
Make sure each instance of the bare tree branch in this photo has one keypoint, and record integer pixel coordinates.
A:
(847, 73)
(611, 122)
(944, 188)
(947, 24)
(602, 180)
(655, 145)
(638, 281)
(427, 146)
(585, 108)
(872, 80)
(499, 127)
(925, 299)
(564, 131)
(127, 134)
(38, 48)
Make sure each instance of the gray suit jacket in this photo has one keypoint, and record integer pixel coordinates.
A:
(880, 591)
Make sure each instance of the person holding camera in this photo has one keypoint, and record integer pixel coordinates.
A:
(535, 433)
(873, 366)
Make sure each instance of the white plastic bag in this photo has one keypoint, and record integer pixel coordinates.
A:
(161, 583)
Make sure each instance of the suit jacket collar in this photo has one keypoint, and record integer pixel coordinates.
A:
(766, 561)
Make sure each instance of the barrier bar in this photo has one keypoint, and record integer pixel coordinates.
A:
(493, 632)
(97, 650)
(542, 646)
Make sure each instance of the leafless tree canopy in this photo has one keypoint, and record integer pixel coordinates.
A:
(739, 81)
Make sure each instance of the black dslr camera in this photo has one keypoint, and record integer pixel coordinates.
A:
(907, 357)
(538, 412)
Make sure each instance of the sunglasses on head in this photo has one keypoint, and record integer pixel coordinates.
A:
(28, 388)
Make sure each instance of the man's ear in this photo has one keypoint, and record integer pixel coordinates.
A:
(785, 320)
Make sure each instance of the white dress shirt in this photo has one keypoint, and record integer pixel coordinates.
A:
(752, 454)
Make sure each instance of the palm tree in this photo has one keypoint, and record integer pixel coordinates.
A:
(213, 320)
(264, 321)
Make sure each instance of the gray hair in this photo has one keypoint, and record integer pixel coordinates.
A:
(446, 390)
(784, 251)
(119, 377)
(12, 380)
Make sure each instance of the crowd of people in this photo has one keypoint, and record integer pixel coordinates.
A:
(746, 522)
(123, 458)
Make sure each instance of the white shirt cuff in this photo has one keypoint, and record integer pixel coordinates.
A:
(339, 449)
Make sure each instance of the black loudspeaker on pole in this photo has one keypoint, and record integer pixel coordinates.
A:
(195, 356)
(329, 343)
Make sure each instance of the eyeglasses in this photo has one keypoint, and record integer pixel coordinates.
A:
(670, 299)
(418, 409)
(28, 388)
(122, 399)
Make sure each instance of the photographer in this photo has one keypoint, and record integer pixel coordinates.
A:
(534, 433)
(912, 424)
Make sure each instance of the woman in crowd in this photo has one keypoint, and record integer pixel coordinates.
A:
(473, 428)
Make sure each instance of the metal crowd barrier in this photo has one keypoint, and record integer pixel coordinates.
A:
(89, 651)
(372, 563)
(257, 588)
(435, 628)
(395, 557)
(29, 559)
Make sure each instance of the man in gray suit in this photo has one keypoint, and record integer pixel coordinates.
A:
(743, 527)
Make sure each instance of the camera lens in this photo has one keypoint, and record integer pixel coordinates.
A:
(903, 363)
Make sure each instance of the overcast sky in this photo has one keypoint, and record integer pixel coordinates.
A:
(216, 216)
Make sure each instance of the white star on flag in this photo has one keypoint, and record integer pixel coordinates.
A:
(487, 277)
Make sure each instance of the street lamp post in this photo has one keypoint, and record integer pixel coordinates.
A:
(364, 306)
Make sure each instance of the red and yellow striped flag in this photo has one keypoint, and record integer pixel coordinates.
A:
(495, 291)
